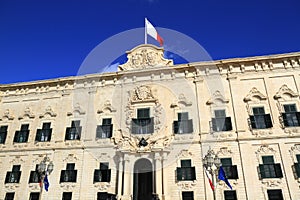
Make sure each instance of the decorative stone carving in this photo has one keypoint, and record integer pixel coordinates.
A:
(7, 115)
(265, 149)
(77, 109)
(217, 96)
(271, 182)
(284, 89)
(48, 111)
(142, 94)
(17, 160)
(68, 186)
(12, 186)
(291, 130)
(71, 158)
(262, 133)
(186, 185)
(27, 113)
(223, 186)
(106, 107)
(181, 100)
(185, 154)
(224, 151)
(34, 187)
(145, 56)
(102, 186)
(254, 93)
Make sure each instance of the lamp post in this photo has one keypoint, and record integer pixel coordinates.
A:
(211, 163)
(45, 167)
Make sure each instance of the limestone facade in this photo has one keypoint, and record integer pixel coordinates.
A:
(151, 86)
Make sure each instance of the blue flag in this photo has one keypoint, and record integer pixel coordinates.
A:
(46, 183)
(222, 177)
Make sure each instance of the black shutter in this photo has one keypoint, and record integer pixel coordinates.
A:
(214, 124)
(38, 135)
(67, 136)
(261, 171)
(176, 126)
(285, 121)
(297, 169)
(16, 137)
(278, 170)
(179, 173)
(190, 126)
(252, 122)
(7, 177)
(298, 117)
(79, 129)
(268, 121)
(234, 172)
(97, 175)
(193, 173)
(228, 124)
(151, 125)
(108, 175)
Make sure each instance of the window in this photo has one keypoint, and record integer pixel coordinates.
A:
(34, 196)
(9, 196)
(143, 124)
(269, 169)
(102, 174)
(275, 195)
(291, 117)
(34, 176)
(105, 196)
(67, 196)
(14, 175)
(183, 125)
(186, 172)
(44, 134)
(221, 122)
(3, 133)
(22, 135)
(187, 195)
(297, 166)
(230, 195)
(70, 174)
(73, 132)
(104, 130)
(260, 120)
(229, 169)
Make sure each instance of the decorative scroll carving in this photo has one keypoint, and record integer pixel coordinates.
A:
(262, 133)
(68, 186)
(106, 107)
(265, 149)
(12, 186)
(27, 113)
(271, 182)
(17, 160)
(186, 185)
(185, 154)
(217, 96)
(284, 89)
(254, 93)
(181, 100)
(71, 158)
(224, 151)
(102, 186)
(145, 56)
(7, 115)
(77, 109)
(48, 111)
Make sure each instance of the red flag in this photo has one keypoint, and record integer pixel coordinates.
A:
(210, 182)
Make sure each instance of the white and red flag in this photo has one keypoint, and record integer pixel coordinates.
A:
(150, 30)
(209, 180)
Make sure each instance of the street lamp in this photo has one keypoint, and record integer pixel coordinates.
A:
(45, 167)
(211, 163)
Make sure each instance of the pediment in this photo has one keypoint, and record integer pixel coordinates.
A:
(145, 56)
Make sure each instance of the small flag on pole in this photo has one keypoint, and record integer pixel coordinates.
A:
(46, 182)
(222, 177)
(150, 30)
(210, 182)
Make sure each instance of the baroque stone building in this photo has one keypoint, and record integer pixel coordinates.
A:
(142, 132)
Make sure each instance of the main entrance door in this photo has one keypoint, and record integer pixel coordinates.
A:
(142, 180)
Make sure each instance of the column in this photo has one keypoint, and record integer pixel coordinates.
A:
(127, 178)
(158, 174)
(120, 176)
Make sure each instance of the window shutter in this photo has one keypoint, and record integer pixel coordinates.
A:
(108, 175)
(285, 121)
(151, 125)
(176, 126)
(214, 124)
(298, 117)
(193, 173)
(234, 172)
(268, 121)
(278, 170)
(297, 169)
(252, 122)
(228, 124)
(7, 177)
(79, 129)
(179, 173)
(16, 137)
(97, 175)
(189, 126)
(261, 172)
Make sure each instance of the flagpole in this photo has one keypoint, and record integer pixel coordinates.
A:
(145, 31)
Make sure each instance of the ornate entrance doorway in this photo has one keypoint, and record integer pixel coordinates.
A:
(143, 180)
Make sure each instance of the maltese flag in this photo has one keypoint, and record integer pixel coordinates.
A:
(150, 30)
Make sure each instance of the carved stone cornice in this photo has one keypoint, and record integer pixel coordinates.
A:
(284, 89)
(7, 115)
(71, 158)
(77, 109)
(217, 96)
(254, 93)
(48, 111)
(27, 113)
(145, 56)
(107, 107)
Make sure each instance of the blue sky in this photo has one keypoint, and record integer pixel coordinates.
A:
(51, 38)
